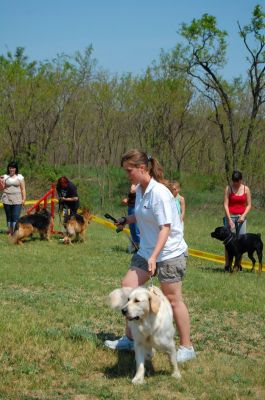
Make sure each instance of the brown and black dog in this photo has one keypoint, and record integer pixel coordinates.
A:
(28, 224)
(76, 226)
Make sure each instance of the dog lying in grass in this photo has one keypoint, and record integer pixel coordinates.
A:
(150, 318)
(76, 226)
(236, 246)
(28, 224)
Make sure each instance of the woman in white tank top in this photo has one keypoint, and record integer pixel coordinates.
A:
(14, 195)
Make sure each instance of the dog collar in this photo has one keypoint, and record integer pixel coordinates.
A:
(228, 240)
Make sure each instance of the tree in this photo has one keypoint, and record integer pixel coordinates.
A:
(17, 92)
(203, 58)
(256, 72)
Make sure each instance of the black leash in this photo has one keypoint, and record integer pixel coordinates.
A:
(108, 216)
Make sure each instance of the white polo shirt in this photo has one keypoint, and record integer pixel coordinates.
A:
(155, 208)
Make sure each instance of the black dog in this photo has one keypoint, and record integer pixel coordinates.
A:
(236, 246)
(28, 224)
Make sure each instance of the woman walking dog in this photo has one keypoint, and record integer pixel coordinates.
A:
(237, 204)
(162, 247)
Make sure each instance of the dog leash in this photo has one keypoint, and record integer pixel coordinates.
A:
(151, 280)
(108, 216)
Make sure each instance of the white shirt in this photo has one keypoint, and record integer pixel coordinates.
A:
(12, 191)
(155, 208)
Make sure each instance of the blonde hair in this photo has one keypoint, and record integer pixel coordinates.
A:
(135, 158)
(172, 184)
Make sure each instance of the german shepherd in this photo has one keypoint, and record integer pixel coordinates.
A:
(28, 224)
(76, 226)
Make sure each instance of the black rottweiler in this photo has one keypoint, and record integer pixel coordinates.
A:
(236, 246)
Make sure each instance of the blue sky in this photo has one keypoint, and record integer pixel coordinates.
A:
(127, 35)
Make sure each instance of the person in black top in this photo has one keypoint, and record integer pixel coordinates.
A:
(68, 196)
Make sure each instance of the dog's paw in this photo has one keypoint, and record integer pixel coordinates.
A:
(138, 380)
(66, 240)
(176, 375)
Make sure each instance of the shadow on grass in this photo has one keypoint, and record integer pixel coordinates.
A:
(222, 270)
(212, 269)
(119, 249)
(125, 362)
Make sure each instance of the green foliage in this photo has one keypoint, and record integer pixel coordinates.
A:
(256, 26)
(181, 110)
(207, 41)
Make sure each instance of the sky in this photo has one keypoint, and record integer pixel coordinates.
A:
(126, 35)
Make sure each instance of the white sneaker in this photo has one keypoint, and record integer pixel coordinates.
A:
(124, 343)
(185, 354)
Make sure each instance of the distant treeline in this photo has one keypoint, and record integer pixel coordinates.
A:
(70, 111)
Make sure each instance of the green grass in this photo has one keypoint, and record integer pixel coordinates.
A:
(54, 320)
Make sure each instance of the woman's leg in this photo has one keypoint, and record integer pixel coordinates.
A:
(15, 214)
(181, 316)
(173, 292)
(227, 266)
(7, 209)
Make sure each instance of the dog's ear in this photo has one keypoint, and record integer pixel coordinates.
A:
(155, 301)
(119, 297)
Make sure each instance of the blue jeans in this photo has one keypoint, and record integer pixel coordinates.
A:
(240, 229)
(134, 230)
(12, 213)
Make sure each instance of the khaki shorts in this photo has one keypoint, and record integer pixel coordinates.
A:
(168, 271)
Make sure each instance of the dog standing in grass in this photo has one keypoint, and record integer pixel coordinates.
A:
(237, 246)
(76, 226)
(28, 224)
(150, 318)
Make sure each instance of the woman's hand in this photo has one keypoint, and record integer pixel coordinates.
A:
(231, 223)
(241, 219)
(151, 265)
(120, 223)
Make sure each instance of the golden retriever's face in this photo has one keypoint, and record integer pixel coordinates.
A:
(138, 304)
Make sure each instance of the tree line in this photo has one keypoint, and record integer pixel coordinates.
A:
(182, 110)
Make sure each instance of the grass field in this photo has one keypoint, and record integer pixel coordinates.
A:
(54, 320)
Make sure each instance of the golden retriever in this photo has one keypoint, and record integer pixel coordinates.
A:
(150, 319)
(76, 226)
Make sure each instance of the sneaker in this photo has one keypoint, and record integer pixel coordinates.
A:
(124, 343)
(185, 354)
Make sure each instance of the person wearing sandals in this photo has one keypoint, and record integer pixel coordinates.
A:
(162, 251)
(237, 204)
(14, 195)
